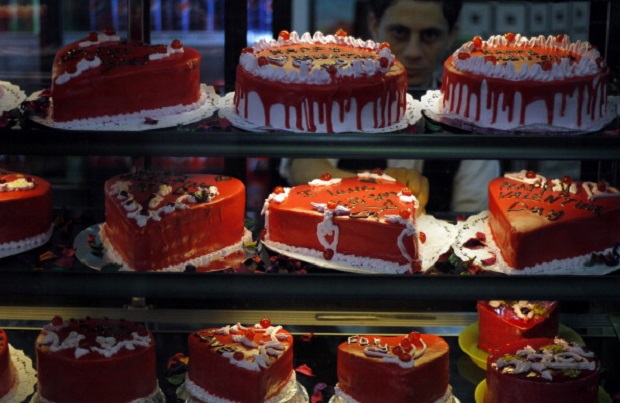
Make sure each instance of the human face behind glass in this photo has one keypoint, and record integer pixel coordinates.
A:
(419, 36)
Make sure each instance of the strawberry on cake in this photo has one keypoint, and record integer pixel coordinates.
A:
(236, 363)
(503, 322)
(102, 75)
(162, 221)
(96, 360)
(535, 220)
(542, 371)
(25, 212)
(320, 83)
(365, 223)
(512, 82)
(413, 368)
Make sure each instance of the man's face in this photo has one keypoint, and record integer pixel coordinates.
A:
(418, 34)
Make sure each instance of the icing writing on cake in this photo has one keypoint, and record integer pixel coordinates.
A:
(252, 348)
(404, 354)
(546, 362)
(559, 194)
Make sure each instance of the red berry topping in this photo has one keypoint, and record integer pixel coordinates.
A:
(405, 357)
(71, 68)
(284, 34)
(406, 191)
(341, 32)
(57, 320)
(332, 205)
(326, 176)
(92, 37)
(601, 186)
(90, 56)
(530, 174)
(249, 334)
(546, 65)
(405, 214)
(249, 49)
(567, 180)
(331, 69)
(397, 350)
(405, 343)
(384, 45)
(109, 31)
(176, 44)
(477, 41)
(377, 171)
(328, 254)
(238, 355)
(278, 189)
(490, 58)
(262, 61)
(464, 55)
(510, 37)
(414, 337)
(265, 323)
(384, 62)
(559, 38)
(422, 237)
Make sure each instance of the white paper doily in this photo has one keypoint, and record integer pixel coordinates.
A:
(447, 398)
(440, 235)
(171, 116)
(429, 103)
(478, 223)
(25, 380)
(227, 111)
(13, 248)
(12, 96)
(157, 397)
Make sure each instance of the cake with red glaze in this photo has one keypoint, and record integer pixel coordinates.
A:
(25, 211)
(7, 373)
(413, 368)
(534, 219)
(511, 81)
(102, 75)
(320, 83)
(542, 371)
(365, 223)
(95, 360)
(240, 364)
(503, 322)
(166, 221)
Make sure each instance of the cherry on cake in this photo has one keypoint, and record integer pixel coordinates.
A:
(365, 223)
(320, 83)
(96, 360)
(7, 372)
(412, 368)
(237, 363)
(503, 322)
(102, 75)
(510, 81)
(25, 211)
(542, 371)
(535, 219)
(165, 221)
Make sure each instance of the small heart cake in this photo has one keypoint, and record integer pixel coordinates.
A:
(236, 363)
(503, 322)
(164, 221)
(364, 223)
(396, 369)
(534, 219)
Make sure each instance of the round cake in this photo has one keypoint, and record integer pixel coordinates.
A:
(542, 371)
(413, 368)
(102, 75)
(503, 322)
(320, 83)
(25, 211)
(95, 360)
(7, 373)
(513, 82)
(240, 364)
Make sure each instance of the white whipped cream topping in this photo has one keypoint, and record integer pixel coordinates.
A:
(169, 52)
(594, 192)
(101, 38)
(320, 182)
(587, 64)
(17, 184)
(372, 175)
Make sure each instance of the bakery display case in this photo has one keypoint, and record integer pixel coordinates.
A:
(320, 307)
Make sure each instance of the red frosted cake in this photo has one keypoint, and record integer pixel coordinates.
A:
(510, 81)
(320, 83)
(102, 75)
(365, 223)
(7, 373)
(95, 361)
(25, 211)
(166, 221)
(240, 364)
(542, 371)
(412, 368)
(535, 220)
(503, 322)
